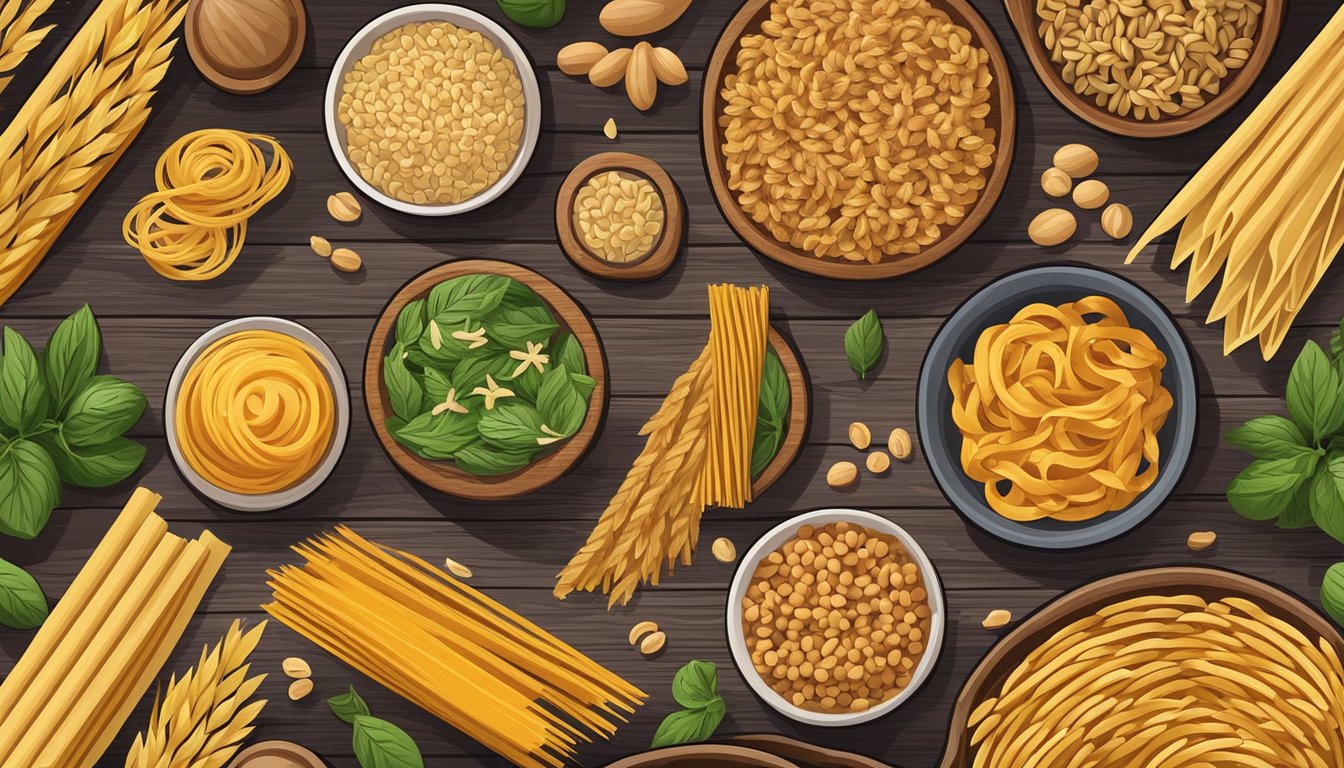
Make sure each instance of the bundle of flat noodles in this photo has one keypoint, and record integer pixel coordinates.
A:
(1265, 210)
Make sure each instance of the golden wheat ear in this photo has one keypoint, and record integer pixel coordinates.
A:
(17, 36)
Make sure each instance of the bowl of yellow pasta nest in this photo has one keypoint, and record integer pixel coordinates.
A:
(1057, 407)
(257, 413)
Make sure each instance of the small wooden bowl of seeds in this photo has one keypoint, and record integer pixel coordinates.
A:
(619, 216)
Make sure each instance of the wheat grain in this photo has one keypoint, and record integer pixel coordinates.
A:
(204, 716)
(76, 125)
(18, 37)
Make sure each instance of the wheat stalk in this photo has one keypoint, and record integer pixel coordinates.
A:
(18, 38)
(76, 125)
(203, 717)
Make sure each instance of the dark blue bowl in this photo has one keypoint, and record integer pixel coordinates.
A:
(997, 303)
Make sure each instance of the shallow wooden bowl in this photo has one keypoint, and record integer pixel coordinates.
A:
(275, 753)
(800, 410)
(648, 267)
(1022, 13)
(723, 61)
(444, 475)
(1206, 582)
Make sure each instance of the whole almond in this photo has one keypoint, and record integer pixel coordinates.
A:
(1117, 220)
(1091, 194)
(611, 68)
(653, 643)
(723, 550)
(997, 618)
(637, 18)
(900, 444)
(300, 688)
(1052, 227)
(578, 58)
(667, 67)
(296, 668)
(1077, 160)
(878, 462)
(346, 260)
(641, 629)
(1055, 182)
(640, 84)
(321, 246)
(343, 207)
(842, 474)
(860, 436)
(1200, 540)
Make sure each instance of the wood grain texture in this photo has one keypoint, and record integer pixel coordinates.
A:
(649, 330)
(651, 265)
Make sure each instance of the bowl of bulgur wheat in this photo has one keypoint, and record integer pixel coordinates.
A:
(857, 139)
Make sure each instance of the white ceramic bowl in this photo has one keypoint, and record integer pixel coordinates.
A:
(265, 502)
(776, 538)
(362, 43)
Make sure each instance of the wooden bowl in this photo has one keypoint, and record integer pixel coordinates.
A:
(648, 267)
(723, 61)
(800, 410)
(227, 58)
(1206, 582)
(1022, 13)
(753, 751)
(445, 476)
(277, 754)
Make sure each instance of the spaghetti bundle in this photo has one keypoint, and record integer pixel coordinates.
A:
(449, 649)
(1063, 410)
(210, 183)
(1267, 210)
(255, 413)
(77, 683)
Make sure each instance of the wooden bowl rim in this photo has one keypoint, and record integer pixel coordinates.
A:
(800, 413)
(1021, 15)
(649, 266)
(724, 55)
(286, 749)
(1058, 612)
(263, 81)
(444, 476)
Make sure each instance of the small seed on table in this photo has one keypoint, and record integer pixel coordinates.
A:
(723, 550)
(860, 436)
(878, 462)
(296, 668)
(997, 618)
(1056, 183)
(653, 643)
(1200, 540)
(609, 130)
(344, 207)
(346, 260)
(842, 474)
(321, 246)
(300, 688)
(1091, 194)
(641, 629)
(900, 444)
(457, 569)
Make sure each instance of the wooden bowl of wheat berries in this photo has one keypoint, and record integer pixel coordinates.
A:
(619, 216)
(869, 160)
(484, 380)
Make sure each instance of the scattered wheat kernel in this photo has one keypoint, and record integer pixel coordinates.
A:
(296, 668)
(1200, 540)
(609, 130)
(860, 436)
(997, 618)
(653, 643)
(641, 629)
(321, 246)
(723, 550)
(878, 462)
(300, 688)
(457, 569)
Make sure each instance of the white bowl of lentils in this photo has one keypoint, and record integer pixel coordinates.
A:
(835, 617)
(433, 110)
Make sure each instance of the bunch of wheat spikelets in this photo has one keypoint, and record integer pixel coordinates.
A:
(76, 125)
(17, 36)
(203, 718)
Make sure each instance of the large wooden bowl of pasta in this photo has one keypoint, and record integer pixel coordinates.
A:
(1057, 407)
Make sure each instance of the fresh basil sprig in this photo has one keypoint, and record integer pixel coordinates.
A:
(695, 688)
(864, 343)
(377, 743)
(772, 416)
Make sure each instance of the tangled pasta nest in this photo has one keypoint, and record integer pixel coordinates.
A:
(1061, 409)
(858, 129)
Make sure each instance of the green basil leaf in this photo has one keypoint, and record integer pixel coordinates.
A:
(696, 684)
(380, 744)
(105, 408)
(525, 385)
(562, 407)
(689, 726)
(348, 706)
(772, 415)
(23, 393)
(72, 356)
(1314, 401)
(29, 489)
(538, 14)
(439, 438)
(1298, 512)
(864, 343)
(514, 328)
(469, 295)
(567, 352)
(435, 384)
(22, 604)
(1269, 437)
(484, 460)
(411, 323)
(1262, 490)
(403, 391)
(519, 296)
(1332, 593)
(512, 427)
(95, 466)
(585, 384)
(1327, 496)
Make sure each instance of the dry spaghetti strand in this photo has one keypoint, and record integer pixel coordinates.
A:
(210, 183)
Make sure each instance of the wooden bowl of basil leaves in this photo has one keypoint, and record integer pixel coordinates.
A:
(451, 442)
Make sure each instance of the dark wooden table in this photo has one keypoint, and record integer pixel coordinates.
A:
(651, 332)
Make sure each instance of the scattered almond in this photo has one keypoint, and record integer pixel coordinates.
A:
(1201, 540)
(1117, 221)
(723, 550)
(641, 629)
(578, 58)
(667, 67)
(653, 643)
(611, 68)
(1077, 160)
(640, 84)
(842, 474)
(1055, 182)
(1052, 227)
(637, 18)
(609, 130)
(859, 436)
(300, 688)
(296, 668)
(1091, 194)
(996, 619)
(457, 569)
(344, 207)
(346, 260)
(878, 462)
(900, 444)
(321, 246)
